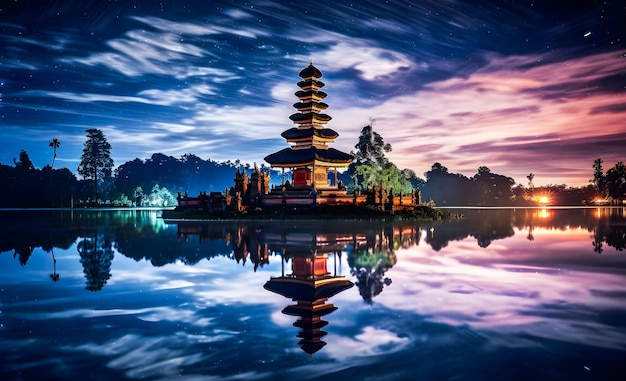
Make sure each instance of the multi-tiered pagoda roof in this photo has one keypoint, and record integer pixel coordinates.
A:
(310, 138)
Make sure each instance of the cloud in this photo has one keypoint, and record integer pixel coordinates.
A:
(198, 29)
(189, 95)
(372, 63)
(469, 122)
(618, 108)
(337, 52)
(165, 51)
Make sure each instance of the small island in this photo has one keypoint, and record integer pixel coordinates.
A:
(314, 190)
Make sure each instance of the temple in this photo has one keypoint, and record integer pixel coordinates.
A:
(312, 163)
(310, 160)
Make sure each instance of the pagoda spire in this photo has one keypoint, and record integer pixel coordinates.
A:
(310, 157)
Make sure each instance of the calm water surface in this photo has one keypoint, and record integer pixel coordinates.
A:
(499, 295)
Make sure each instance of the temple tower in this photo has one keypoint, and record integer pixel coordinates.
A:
(310, 158)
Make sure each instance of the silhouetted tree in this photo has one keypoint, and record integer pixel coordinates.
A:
(531, 186)
(599, 179)
(54, 143)
(24, 164)
(96, 162)
(616, 181)
(491, 188)
(447, 188)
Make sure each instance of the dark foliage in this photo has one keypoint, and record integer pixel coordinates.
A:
(188, 174)
(485, 188)
(32, 187)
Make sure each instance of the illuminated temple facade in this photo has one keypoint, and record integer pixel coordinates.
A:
(310, 160)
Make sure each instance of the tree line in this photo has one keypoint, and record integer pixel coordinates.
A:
(485, 188)
(139, 182)
(156, 181)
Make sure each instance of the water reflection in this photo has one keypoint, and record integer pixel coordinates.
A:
(310, 285)
(370, 247)
(96, 255)
(196, 299)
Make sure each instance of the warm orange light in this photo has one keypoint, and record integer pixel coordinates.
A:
(543, 200)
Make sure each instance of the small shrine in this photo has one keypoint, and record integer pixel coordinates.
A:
(310, 160)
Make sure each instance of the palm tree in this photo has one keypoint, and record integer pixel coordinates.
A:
(530, 178)
(54, 143)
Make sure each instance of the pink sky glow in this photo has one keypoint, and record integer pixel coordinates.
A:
(540, 118)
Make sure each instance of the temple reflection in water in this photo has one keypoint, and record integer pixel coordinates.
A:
(309, 284)
(310, 263)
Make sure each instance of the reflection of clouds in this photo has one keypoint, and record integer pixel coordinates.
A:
(144, 357)
(177, 283)
(493, 290)
(208, 282)
(151, 314)
(370, 342)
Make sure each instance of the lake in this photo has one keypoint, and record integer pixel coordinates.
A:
(500, 294)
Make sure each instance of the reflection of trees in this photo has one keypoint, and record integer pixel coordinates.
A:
(23, 252)
(96, 254)
(370, 246)
(609, 229)
(485, 225)
(369, 260)
(54, 276)
(616, 237)
(598, 240)
(370, 279)
(489, 225)
(28, 230)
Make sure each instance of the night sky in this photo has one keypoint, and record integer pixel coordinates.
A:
(517, 86)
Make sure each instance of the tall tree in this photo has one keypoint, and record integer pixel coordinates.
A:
(599, 179)
(491, 188)
(447, 188)
(616, 181)
(24, 164)
(96, 162)
(371, 146)
(54, 143)
(530, 177)
(372, 166)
